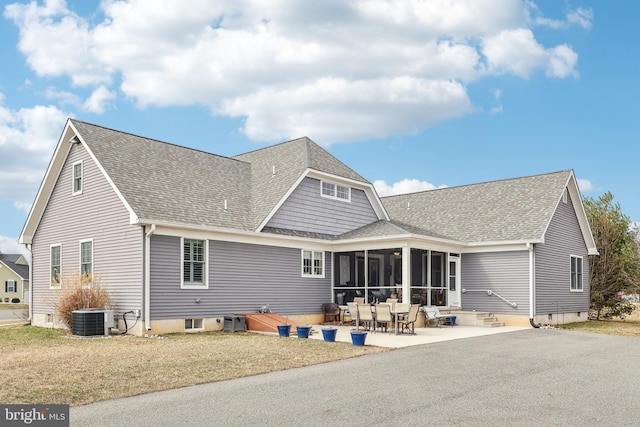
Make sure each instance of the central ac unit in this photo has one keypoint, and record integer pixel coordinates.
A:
(91, 321)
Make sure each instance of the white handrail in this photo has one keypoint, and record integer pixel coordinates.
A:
(489, 293)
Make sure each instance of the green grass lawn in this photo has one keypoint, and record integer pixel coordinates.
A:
(611, 327)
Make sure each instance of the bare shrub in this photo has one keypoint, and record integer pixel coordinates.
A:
(80, 291)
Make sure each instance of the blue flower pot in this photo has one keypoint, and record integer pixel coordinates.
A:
(329, 334)
(284, 330)
(303, 331)
(358, 337)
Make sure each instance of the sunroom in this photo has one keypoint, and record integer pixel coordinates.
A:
(412, 275)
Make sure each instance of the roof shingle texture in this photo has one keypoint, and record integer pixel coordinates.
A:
(517, 209)
(166, 182)
(10, 260)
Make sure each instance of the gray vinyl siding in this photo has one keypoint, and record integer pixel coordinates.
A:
(306, 210)
(553, 269)
(242, 278)
(96, 214)
(505, 273)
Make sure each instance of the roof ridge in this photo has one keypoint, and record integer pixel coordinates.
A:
(479, 183)
(274, 145)
(173, 144)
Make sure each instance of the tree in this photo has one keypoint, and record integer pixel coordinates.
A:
(617, 268)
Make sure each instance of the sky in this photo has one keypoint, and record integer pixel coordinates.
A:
(413, 95)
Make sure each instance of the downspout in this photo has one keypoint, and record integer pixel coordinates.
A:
(147, 277)
(532, 294)
(28, 248)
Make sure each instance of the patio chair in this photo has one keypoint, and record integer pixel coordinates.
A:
(410, 319)
(359, 300)
(353, 313)
(433, 314)
(365, 315)
(383, 315)
(392, 302)
(331, 310)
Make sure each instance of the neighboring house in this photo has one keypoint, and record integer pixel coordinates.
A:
(14, 276)
(187, 237)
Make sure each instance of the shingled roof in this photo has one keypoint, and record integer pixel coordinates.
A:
(516, 210)
(163, 182)
(16, 263)
(275, 169)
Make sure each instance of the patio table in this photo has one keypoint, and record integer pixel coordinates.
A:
(343, 310)
(397, 314)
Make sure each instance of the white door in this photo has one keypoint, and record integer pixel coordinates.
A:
(454, 281)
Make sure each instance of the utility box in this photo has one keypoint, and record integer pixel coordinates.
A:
(234, 324)
(91, 321)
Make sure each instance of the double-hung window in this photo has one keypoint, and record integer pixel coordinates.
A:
(194, 255)
(336, 191)
(312, 263)
(576, 273)
(11, 286)
(86, 257)
(77, 177)
(55, 265)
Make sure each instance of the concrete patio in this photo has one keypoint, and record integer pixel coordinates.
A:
(423, 335)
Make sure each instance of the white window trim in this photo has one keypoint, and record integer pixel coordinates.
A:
(313, 252)
(93, 250)
(73, 178)
(581, 289)
(335, 191)
(51, 286)
(193, 329)
(206, 265)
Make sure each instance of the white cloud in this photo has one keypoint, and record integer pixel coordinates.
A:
(403, 187)
(335, 70)
(27, 139)
(562, 62)
(385, 107)
(581, 17)
(10, 245)
(99, 100)
(497, 94)
(585, 185)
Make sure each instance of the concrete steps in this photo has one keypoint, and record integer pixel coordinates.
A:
(475, 318)
(489, 320)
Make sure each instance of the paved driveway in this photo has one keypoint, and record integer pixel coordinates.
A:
(17, 315)
(534, 377)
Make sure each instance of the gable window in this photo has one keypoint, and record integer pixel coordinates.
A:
(576, 273)
(77, 177)
(336, 191)
(56, 265)
(86, 257)
(312, 263)
(193, 263)
(10, 286)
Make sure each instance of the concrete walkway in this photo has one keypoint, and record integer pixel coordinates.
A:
(422, 336)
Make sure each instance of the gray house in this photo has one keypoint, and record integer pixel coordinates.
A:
(185, 237)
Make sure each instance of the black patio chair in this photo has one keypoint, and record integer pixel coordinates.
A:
(331, 309)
